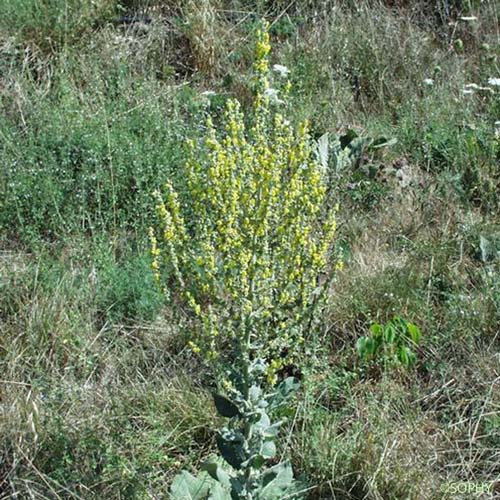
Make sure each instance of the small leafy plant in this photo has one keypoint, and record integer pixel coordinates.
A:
(393, 343)
(246, 445)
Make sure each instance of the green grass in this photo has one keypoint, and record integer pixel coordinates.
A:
(99, 397)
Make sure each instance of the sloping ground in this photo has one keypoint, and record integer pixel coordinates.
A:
(99, 397)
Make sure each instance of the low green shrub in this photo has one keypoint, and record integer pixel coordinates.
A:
(124, 292)
(49, 25)
(392, 343)
(92, 170)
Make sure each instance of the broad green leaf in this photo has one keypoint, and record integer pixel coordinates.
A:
(377, 329)
(322, 150)
(237, 487)
(254, 393)
(271, 473)
(264, 421)
(361, 346)
(230, 445)
(369, 347)
(218, 492)
(276, 488)
(272, 430)
(268, 449)
(414, 332)
(288, 386)
(389, 334)
(403, 356)
(255, 461)
(225, 407)
(407, 356)
(218, 473)
(284, 392)
(383, 142)
(347, 138)
(185, 486)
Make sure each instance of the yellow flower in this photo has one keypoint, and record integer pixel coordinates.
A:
(273, 367)
(244, 248)
(195, 348)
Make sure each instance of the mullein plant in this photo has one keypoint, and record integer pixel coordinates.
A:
(246, 246)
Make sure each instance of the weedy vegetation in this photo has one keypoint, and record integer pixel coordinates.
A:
(228, 271)
(393, 342)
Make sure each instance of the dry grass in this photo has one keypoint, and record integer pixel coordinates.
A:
(99, 398)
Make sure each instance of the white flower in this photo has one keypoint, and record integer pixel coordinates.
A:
(281, 70)
(494, 81)
(475, 86)
(273, 96)
(429, 81)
